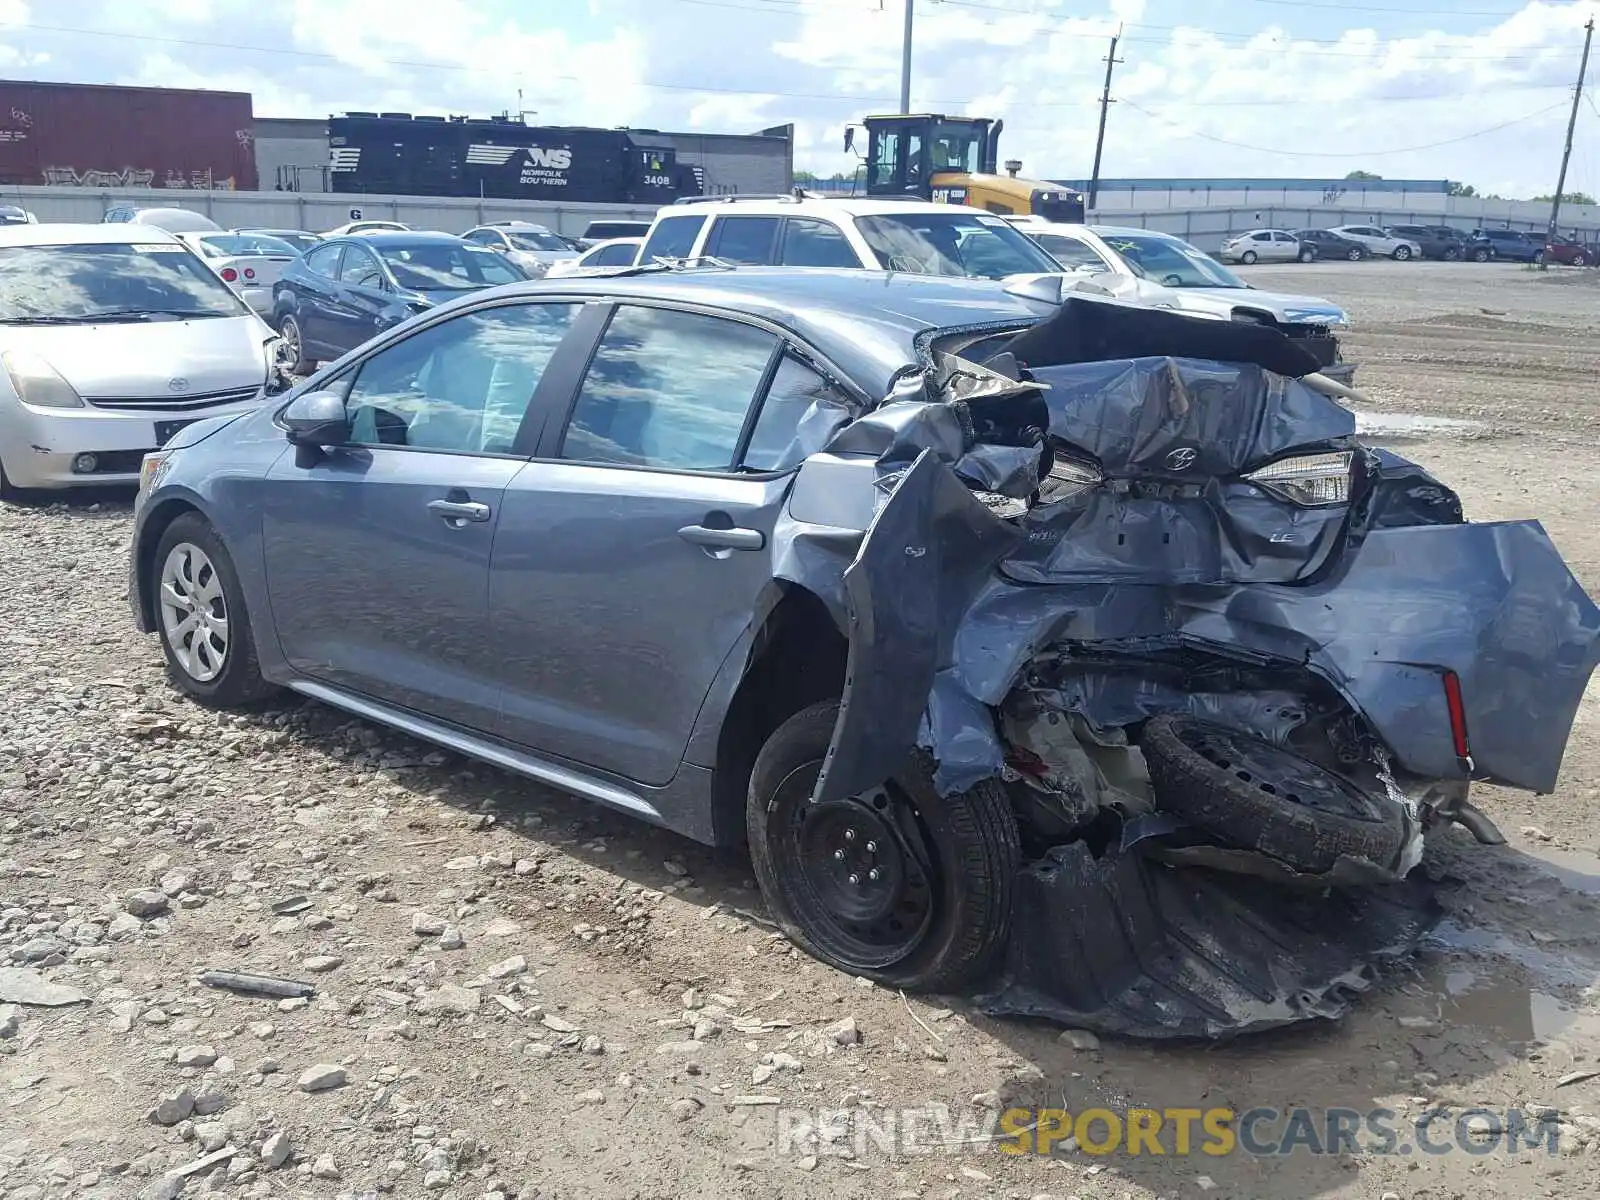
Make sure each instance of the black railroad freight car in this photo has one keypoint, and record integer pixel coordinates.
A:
(501, 158)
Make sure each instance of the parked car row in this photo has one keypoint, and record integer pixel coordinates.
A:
(1401, 243)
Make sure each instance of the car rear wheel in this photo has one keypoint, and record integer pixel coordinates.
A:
(1538, 258)
(898, 884)
(1251, 793)
(201, 617)
(294, 343)
(1481, 254)
(1401, 253)
(1248, 257)
(1307, 254)
(1580, 260)
(1451, 254)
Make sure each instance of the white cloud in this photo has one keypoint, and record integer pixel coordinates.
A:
(1255, 99)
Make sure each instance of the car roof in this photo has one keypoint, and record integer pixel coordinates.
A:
(396, 237)
(812, 206)
(117, 233)
(865, 321)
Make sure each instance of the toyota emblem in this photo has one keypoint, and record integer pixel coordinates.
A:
(177, 384)
(1182, 458)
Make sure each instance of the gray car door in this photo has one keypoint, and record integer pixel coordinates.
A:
(377, 554)
(633, 551)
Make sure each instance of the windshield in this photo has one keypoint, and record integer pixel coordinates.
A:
(446, 267)
(535, 239)
(248, 243)
(1170, 261)
(973, 244)
(82, 282)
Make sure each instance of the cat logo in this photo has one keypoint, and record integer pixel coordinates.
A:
(557, 160)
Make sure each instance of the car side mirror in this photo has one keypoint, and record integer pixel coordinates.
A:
(317, 419)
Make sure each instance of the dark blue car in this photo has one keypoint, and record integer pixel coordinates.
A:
(344, 291)
(1511, 245)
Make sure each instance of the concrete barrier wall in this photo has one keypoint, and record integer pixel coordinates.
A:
(1208, 228)
(316, 212)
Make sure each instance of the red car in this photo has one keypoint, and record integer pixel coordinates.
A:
(1570, 253)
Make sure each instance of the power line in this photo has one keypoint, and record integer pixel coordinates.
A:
(1466, 137)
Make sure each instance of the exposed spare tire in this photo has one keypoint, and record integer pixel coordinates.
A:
(1258, 796)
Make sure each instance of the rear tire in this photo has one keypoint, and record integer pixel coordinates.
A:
(1253, 794)
(1307, 254)
(1451, 254)
(289, 328)
(901, 885)
(1248, 258)
(1482, 254)
(202, 620)
(1580, 260)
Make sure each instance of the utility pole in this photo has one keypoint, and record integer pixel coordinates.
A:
(1105, 102)
(905, 65)
(1566, 154)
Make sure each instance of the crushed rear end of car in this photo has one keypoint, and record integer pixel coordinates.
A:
(1230, 665)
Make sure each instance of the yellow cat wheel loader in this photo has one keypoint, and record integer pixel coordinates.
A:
(952, 160)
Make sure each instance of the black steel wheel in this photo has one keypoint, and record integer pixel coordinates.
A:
(1251, 793)
(898, 884)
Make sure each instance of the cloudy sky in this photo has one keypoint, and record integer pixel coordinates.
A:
(1474, 90)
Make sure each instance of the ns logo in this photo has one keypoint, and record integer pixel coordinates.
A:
(557, 160)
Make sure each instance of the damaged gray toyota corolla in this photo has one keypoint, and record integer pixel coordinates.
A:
(1075, 655)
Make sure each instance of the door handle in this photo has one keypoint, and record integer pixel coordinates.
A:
(459, 512)
(723, 539)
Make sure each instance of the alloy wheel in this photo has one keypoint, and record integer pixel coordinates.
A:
(194, 612)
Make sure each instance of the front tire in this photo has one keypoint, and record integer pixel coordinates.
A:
(1355, 254)
(1402, 253)
(1307, 254)
(1451, 254)
(1248, 258)
(201, 618)
(901, 885)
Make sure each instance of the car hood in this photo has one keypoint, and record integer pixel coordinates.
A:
(146, 360)
(1312, 310)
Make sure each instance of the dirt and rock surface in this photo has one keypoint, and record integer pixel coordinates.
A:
(517, 994)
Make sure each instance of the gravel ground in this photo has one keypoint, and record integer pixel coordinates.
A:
(520, 995)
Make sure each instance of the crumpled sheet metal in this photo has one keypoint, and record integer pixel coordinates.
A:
(1123, 945)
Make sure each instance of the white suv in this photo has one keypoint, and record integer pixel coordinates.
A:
(913, 236)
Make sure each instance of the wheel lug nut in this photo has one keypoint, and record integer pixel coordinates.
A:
(872, 847)
(855, 879)
(874, 874)
(839, 854)
(849, 835)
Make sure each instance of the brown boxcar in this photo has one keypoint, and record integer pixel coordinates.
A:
(88, 135)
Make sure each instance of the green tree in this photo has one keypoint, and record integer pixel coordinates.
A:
(1567, 198)
(1460, 189)
(1362, 175)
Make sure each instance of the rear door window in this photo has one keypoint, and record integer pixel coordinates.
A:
(360, 269)
(672, 237)
(752, 241)
(324, 260)
(812, 243)
(614, 256)
(668, 389)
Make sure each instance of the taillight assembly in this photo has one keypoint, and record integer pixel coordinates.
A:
(249, 273)
(1457, 708)
(229, 275)
(1309, 480)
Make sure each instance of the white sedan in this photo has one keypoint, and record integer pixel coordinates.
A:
(1377, 241)
(602, 256)
(112, 337)
(249, 263)
(1265, 245)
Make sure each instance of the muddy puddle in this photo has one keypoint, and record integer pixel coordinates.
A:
(1411, 427)
(1574, 869)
